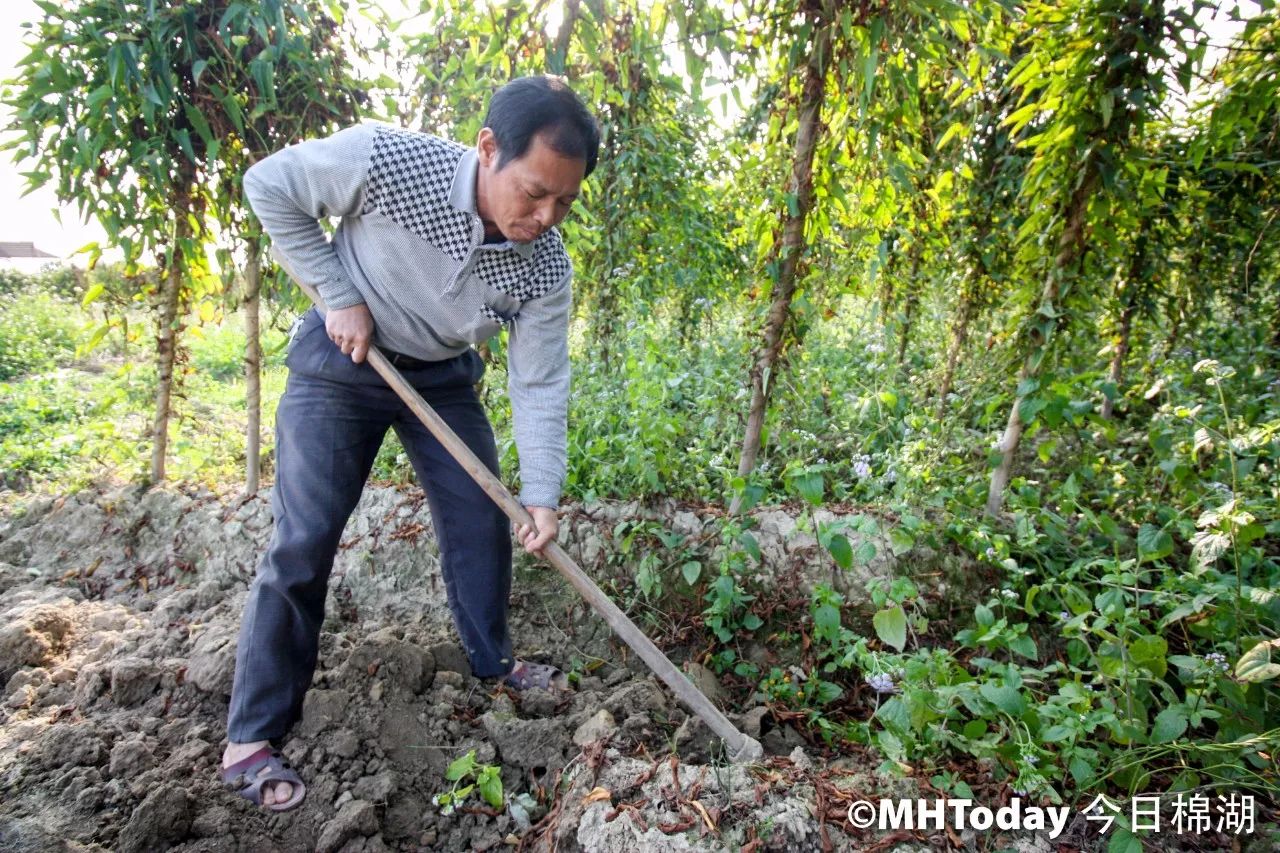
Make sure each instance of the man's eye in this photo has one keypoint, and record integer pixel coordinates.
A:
(532, 196)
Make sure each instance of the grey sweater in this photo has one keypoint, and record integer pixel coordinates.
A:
(410, 246)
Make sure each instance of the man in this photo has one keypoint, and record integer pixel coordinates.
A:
(440, 247)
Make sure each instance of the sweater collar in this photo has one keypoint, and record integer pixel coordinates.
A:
(462, 196)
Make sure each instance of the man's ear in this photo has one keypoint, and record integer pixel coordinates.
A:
(487, 148)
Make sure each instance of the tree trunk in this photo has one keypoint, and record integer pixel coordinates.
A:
(166, 346)
(958, 337)
(888, 294)
(1129, 82)
(1115, 373)
(911, 302)
(790, 249)
(253, 369)
(1069, 247)
(1129, 298)
(605, 320)
(559, 49)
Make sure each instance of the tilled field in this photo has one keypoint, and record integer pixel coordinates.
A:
(117, 642)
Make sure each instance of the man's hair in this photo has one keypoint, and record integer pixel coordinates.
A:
(528, 106)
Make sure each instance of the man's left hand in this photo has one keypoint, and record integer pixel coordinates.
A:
(547, 525)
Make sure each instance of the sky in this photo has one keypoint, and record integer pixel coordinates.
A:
(32, 217)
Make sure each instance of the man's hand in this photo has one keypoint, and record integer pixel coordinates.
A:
(351, 329)
(544, 517)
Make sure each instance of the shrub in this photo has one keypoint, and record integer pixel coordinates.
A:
(38, 331)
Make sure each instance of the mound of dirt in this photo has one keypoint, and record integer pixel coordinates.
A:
(118, 631)
(117, 646)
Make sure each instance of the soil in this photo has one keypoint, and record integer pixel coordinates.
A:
(119, 612)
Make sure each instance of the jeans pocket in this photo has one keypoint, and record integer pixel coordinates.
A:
(293, 333)
(296, 350)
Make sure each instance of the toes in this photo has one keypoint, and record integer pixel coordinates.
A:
(280, 792)
(275, 792)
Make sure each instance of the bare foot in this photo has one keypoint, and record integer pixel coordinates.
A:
(277, 793)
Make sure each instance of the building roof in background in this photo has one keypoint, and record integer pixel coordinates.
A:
(22, 250)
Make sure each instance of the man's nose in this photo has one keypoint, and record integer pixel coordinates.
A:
(546, 215)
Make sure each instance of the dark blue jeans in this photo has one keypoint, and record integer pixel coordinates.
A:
(329, 426)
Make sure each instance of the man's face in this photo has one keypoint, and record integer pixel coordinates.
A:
(528, 196)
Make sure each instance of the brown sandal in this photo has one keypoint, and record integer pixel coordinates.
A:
(544, 676)
(243, 778)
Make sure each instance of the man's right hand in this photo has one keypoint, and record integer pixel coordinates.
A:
(351, 329)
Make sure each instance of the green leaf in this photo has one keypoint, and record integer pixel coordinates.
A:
(1025, 646)
(810, 486)
(841, 551)
(1056, 733)
(1150, 651)
(461, 767)
(901, 540)
(1030, 407)
(184, 140)
(891, 626)
(92, 293)
(490, 784)
(691, 570)
(1029, 385)
(1153, 543)
(1124, 841)
(1105, 106)
(826, 618)
(199, 123)
(1004, 697)
(828, 691)
(793, 205)
(1169, 726)
(1258, 664)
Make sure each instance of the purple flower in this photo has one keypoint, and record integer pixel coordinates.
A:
(881, 682)
(1218, 660)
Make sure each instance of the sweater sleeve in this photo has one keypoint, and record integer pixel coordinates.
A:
(538, 384)
(294, 188)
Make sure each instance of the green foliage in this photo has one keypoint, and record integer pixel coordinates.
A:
(38, 331)
(218, 352)
(89, 418)
(468, 775)
(59, 280)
